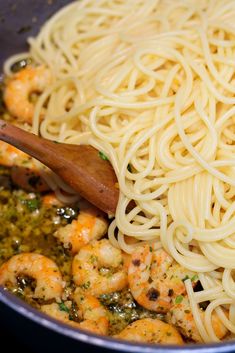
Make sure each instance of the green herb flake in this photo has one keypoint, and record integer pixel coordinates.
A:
(33, 204)
(86, 285)
(185, 278)
(93, 259)
(179, 299)
(194, 278)
(103, 156)
(63, 307)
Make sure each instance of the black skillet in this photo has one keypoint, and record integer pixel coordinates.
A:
(18, 20)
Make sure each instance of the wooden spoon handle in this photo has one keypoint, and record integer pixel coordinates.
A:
(78, 165)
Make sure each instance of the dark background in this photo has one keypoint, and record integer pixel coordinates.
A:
(9, 340)
(20, 19)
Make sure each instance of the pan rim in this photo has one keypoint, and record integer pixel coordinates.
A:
(24, 309)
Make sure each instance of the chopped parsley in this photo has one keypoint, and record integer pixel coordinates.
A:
(194, 278)
(179, 299)
(63, 307)
(86, 285)
(93, 259)
(103, 156)
(33, 204)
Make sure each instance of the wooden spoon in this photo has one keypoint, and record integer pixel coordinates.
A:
(80, 166)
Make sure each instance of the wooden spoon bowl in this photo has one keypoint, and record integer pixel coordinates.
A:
(80, 166)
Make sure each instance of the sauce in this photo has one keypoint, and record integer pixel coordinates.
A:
(27, 225)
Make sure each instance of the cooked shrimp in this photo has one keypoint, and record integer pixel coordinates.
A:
(50, 200)
(23, 169)
(155, 279)
(10, 156)
(28, 179)
(20, 86)
(98, 268)
(91, 312)
(151, 331)
(181, 316)
(89, 225)
(59, 311)
(49, 283)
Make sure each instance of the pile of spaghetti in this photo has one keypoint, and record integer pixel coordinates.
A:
(151, 84)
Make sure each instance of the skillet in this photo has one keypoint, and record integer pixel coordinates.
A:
(18, 20)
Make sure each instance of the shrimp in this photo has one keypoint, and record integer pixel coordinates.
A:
(10, 156)
(181, 316)
(155, 279)
(59, 311)
(91, 312)
(89, 225)
(157, 283)
(23, 170)
(98, 268)
(50, 200)
(49, 283)
(20, 86)
(28, 179)
(151, 331)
